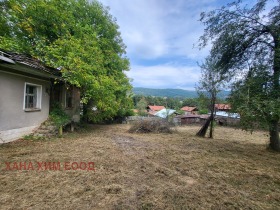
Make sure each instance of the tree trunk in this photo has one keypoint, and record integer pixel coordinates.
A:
(273, 126)
(87, 108)
(203, 130)
(213, 100)
(274, 136)
(85, 113)
(72, 126)
(60, 131)
(211, 134)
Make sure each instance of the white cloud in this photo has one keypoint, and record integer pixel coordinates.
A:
(164, 76)
(158, 31)
(155, 28)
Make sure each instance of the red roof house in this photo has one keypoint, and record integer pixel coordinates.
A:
(154, 109)
(222, 107)
(189, 109)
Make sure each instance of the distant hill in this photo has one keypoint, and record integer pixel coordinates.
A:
(171, 93)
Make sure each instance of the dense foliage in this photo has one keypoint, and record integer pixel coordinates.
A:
(82, 39)
(251, 98)
(247, 41)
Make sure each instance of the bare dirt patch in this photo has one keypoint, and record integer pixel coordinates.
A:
(144, 171)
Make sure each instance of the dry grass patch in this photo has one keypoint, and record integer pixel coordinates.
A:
(144, 171)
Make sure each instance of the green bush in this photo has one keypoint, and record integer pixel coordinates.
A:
(203, 111)
(59, 117)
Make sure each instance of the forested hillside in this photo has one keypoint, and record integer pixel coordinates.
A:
(171, 93)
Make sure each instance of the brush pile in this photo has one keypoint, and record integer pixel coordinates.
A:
(150, 126)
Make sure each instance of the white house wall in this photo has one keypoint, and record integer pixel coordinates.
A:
(14, 120)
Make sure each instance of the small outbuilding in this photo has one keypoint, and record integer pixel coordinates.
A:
(187, 119)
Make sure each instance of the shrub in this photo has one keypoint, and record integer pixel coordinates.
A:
(203, 111)
(59, 117)
(150, 126)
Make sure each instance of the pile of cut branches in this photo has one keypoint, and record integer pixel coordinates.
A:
(150, 126)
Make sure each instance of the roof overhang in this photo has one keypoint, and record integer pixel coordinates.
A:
(21, 69)
(25, 65)
(5, 59)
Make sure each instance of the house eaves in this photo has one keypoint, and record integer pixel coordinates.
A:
(20, 64)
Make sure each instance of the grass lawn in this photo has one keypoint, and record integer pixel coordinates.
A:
(143, 171)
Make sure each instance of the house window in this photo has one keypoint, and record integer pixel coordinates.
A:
(32, 97)
(69, 98)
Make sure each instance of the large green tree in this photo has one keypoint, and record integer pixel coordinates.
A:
(240, 35)
(82, 39)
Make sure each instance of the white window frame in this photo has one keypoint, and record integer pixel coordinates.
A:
(38, 96)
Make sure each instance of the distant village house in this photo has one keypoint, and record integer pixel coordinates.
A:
(152, 110)
(222, 107)
(190, 110)
(224, 116)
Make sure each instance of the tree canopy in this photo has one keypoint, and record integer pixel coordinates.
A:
(245, 38)
(78, 36)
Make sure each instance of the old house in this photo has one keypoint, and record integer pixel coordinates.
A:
(190, 110)
(28, 91)
(224, 116)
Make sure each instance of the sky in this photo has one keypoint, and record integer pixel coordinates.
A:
(162, 39)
